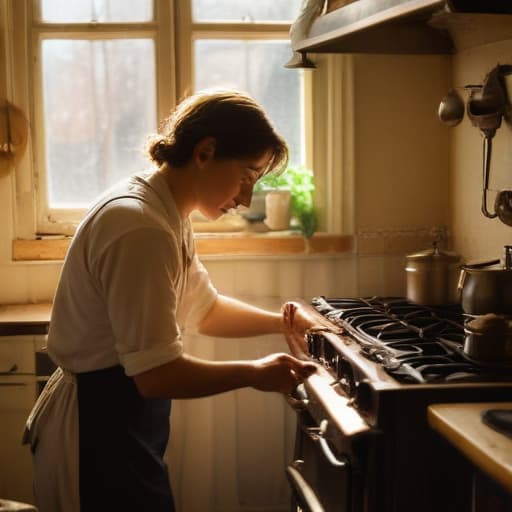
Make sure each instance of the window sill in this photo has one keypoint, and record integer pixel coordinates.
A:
(243, 244)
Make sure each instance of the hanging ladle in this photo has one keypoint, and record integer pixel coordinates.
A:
(451, 109)
(485, 108)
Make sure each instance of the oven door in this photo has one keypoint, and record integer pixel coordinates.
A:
(333, 449)
(319, 478)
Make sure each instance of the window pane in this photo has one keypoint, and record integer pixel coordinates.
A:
(99, 105)
(101, 11)
(245, 10)
(257, 68)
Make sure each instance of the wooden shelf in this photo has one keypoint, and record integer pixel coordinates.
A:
(218, 244)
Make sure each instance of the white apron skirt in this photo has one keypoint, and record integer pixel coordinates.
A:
(98, 445)
(52, 432)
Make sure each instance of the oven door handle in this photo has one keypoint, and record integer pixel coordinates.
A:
(298, 399)
(302, 491)
(317, 434)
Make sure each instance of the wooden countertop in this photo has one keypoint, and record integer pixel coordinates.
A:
(25, 313)
(487, 449)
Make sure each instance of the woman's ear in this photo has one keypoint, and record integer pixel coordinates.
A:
(204, 150)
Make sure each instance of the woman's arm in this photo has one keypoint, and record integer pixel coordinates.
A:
(232, 318)
(190, 377)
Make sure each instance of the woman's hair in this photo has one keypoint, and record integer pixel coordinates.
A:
(238, 124)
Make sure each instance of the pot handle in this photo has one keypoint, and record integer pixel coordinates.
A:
(464, 268)
(462, 278)
(481, 264)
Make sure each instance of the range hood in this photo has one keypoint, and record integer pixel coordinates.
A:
(408, 26)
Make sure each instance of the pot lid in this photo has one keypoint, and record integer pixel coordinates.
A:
(435, 255)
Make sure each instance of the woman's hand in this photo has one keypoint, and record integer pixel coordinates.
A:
(281, 373)
(297, 321)
(300, 319)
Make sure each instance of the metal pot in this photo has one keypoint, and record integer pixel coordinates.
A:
(432, 277)
(489, 339)
(487, 287)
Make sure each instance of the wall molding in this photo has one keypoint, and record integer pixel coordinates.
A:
(400, 240)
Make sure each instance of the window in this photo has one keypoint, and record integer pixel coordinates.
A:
(99, 75)
(95, 77)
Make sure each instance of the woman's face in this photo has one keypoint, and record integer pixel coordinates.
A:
(228, 183)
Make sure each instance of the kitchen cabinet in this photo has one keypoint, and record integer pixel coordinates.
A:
(489, 452)
(22, 334)
(407, 27)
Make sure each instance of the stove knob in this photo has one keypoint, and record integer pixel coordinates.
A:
(364, 396)
(314, 342)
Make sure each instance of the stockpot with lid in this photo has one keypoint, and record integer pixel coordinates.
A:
(432, 277)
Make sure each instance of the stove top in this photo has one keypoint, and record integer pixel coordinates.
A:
(414, 344)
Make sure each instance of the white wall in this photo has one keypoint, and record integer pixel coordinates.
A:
(402, 164)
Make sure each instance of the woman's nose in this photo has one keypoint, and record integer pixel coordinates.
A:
(245, 195)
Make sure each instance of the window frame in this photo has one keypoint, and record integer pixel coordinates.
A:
(329, 144)
(328, 110)
(43, 220)
(189, 31)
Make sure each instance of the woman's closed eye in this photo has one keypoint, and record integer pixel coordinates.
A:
(251, 176)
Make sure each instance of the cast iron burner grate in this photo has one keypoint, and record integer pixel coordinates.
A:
(414, 343)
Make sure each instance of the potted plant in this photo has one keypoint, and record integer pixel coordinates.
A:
(299, 181)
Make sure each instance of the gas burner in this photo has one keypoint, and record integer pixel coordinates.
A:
(413, 343)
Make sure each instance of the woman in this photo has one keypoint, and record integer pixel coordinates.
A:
(130, 285)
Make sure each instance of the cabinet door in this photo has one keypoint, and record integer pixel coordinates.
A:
(18, 351)
(17, 395)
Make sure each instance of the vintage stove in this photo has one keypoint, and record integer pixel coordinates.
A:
(363, 442)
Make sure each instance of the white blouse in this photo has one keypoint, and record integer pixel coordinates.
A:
(131, 283)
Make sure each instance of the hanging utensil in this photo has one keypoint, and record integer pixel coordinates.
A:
(451, 109)
(486, 107)
(503, 206)
(487, 164)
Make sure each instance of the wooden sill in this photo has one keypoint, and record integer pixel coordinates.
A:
(243, 244)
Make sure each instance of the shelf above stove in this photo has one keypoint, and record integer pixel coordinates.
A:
(406, 27)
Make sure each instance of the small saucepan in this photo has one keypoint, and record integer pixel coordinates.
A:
(489, 339)
(486, 287)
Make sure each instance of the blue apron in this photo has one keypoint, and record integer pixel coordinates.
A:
(122, 440)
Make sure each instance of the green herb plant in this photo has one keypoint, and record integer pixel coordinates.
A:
(300, 182)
